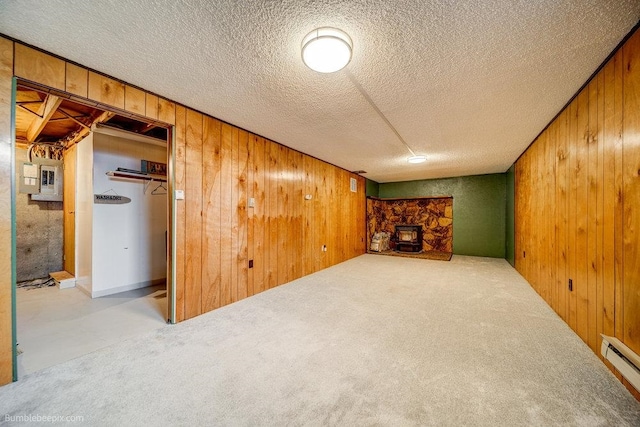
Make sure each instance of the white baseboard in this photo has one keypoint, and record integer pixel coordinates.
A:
(125, 288)
(84, 284)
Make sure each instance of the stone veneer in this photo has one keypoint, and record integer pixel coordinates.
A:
(435, 214)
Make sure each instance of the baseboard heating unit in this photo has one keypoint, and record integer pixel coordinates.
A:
(623, 359)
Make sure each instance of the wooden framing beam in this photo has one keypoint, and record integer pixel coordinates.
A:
(84, 131)
(69, 116)
(147, 127)
(48, 108)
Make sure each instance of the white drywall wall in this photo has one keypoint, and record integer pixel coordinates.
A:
(84, 213)
(129, 249)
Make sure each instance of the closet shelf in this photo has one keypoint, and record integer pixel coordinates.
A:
(120, 174)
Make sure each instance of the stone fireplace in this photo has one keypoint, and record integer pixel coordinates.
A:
(434, 215)
(408, 237)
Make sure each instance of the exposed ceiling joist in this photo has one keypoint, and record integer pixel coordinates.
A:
(81, 133)
(46, 111)
(147, 127)
(56, 120)
(103, 118)
(69, 116)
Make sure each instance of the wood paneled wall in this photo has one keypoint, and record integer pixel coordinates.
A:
(578, 206)
(283, 234)
(6, 149)
(220, 167)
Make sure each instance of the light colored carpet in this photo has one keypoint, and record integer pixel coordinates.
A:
(375, 340)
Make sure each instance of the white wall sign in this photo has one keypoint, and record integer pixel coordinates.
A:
(110, 199)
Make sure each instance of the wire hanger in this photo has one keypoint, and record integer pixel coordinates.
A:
(111, 190)
(155, 192)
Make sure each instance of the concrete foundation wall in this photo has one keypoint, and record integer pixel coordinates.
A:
(39, 234)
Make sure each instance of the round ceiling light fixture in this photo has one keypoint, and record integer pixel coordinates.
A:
(326, 50)
(417, 159)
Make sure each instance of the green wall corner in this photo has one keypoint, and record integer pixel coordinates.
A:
(479, 209)
(372, 188)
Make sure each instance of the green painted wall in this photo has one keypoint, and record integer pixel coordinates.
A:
(510, 229)
(372, 189)
(479, 209)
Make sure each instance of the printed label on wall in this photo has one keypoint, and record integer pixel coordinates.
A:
(110, 199)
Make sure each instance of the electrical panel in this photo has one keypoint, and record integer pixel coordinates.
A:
(42, 178)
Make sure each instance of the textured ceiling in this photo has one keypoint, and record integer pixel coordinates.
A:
(467, 83)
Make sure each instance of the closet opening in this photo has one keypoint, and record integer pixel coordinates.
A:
(93, 226)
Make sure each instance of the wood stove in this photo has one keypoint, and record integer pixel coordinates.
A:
(408, 238)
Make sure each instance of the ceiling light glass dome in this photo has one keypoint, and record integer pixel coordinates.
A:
(326, 50)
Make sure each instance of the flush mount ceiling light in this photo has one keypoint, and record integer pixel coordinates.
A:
(326, 50)
(417, 159)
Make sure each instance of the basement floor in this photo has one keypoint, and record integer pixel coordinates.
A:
(375, 340)
(57, 325)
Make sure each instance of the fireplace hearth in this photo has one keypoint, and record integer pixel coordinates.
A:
(408, 237)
